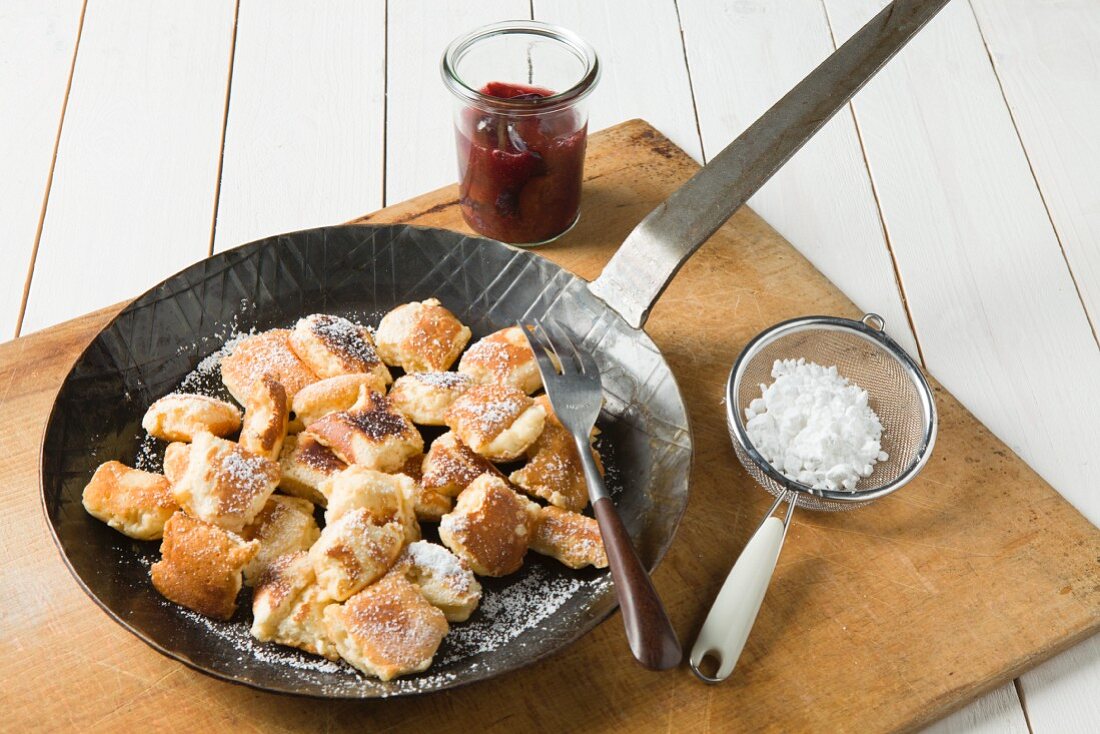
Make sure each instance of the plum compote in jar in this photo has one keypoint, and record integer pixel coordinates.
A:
(521, 126)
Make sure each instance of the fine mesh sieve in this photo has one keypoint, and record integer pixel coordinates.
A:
(900, 396)
(862, 352)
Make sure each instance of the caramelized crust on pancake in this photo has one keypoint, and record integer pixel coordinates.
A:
(421, 337)
(387, 629)
(385, 497)
(304, 465)
(428, 505)
(489, 527)
(265, 418)
(331, 346)
(353, 552)
(285, 525)
(450, 466)
(133, 502)
(444, 579)
(570, 537)
(266, 353)
(554, 471)
(200, 566)
(425, 396)
(331, 395)
(179, 417)
(287, 607)
(496, 421)
(371, 434)
(175, 460)
(503, 358)
(225, 484)
(276, 592)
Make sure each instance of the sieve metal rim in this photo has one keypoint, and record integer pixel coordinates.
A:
(871, 328)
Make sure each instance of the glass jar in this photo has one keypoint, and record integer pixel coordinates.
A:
(521, 125)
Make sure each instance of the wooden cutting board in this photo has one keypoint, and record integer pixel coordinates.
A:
(880, 619)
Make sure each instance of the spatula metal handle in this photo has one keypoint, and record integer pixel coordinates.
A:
(654, 251)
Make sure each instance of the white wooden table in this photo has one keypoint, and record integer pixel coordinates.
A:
(957, 195)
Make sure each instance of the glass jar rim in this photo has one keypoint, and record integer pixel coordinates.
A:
(560, 100)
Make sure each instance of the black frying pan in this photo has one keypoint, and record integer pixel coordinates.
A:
(364, 271)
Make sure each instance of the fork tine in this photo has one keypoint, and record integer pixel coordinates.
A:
(576, 352)
(588, 362)
(558, 339)
(547, 370)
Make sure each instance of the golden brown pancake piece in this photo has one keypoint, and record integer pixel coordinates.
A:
(371, 434)
(266, 353)
(200, 566)
(450, 466)
(503, 358)
(133, 502)
(332, 345)
(387, 629)
(288, 608)
(265, 418)
(489, 527)
(421, 337)
(224, 484)
(175, 460)
(385, 497)
(304, 465)
(331, 395)
(353, 552)
(444, 579)
(570, 537)
(285, 525)
(496, 421)
(178, 417)
(554, 471)
(429, 505)
(425, 396)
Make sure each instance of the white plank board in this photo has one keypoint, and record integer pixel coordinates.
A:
(994, 306)
(1046, 59)
(133, 189)
(1060, 695)
(644, 71)
(304, 133)
(998, 712)
(420, 146)
(37, 41)
(744, 57)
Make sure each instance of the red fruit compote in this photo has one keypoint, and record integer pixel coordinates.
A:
(520, 150)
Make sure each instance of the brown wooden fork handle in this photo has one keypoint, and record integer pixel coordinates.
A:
(648, 629)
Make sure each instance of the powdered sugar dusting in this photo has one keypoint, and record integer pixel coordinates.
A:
(513, 610)
(505, 614)
(344, 337)
(447, 380)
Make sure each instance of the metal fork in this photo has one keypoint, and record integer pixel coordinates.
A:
(576, 395)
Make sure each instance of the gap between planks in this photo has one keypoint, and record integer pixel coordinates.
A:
(225, 125)
(1031, 169)
(691, 83)
(878, 205)
(49, 176)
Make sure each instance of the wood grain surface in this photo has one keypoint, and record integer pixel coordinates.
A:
(880, 619)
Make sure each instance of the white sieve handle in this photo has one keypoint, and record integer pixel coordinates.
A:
(734, 611)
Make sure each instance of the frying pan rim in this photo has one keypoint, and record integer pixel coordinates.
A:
(182, 657)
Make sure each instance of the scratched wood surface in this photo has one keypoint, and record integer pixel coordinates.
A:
(881, 619)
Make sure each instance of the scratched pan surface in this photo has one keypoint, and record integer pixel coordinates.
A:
(360, 271)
